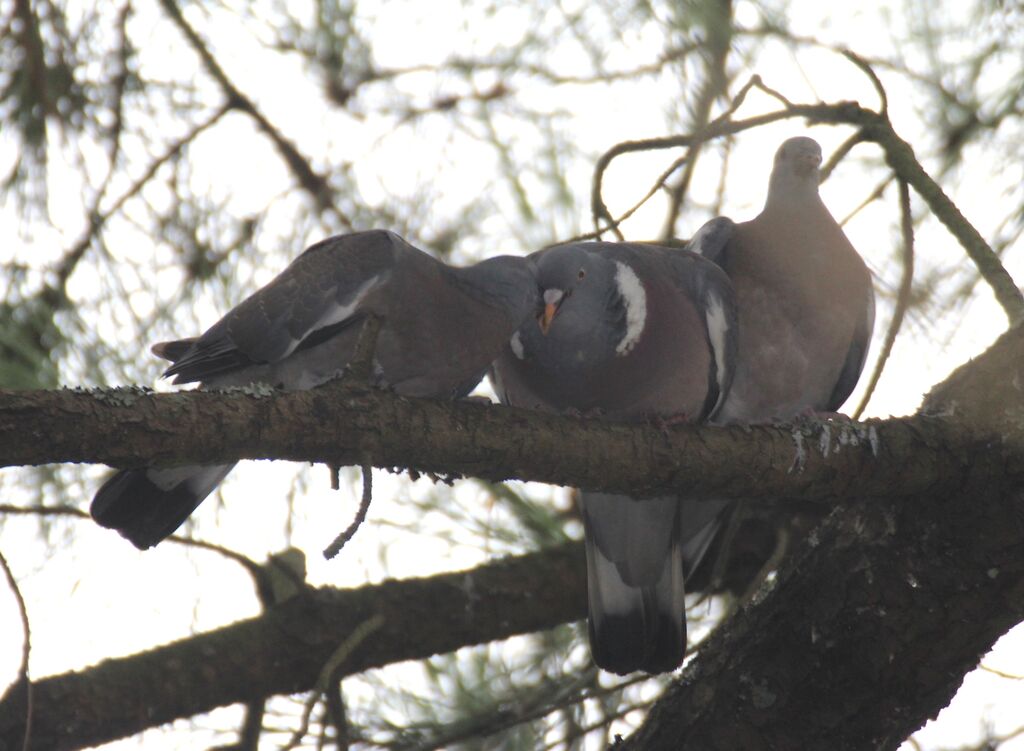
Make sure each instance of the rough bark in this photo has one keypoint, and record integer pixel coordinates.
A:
(349, 424)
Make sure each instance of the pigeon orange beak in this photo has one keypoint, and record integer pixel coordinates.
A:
(546, 316)
(552, 300)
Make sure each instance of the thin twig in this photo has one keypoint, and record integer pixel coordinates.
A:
(247, 563)
(840, 154)
(860, 62)
(760, 84)
(599, 209)
(329, 672)
(721, 125)
(26, 648)
(364, 506)
(1002, 674)
(719, 202)
(902, 297)
(714, 87)
(97, 218)
(613, 225)
(41, 510)
(308, 178)
(870, 199)
(335, 701)
(511, 717)
(251, 566)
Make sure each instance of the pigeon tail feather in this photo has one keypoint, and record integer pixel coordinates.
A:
(147, 505)
(636, 628)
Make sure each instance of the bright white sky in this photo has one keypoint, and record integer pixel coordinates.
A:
(91, 602)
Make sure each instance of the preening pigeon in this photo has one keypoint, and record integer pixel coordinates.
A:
(806, 303)
(441, 327)
(634, 331)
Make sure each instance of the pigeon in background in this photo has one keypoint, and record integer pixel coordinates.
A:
(806, 303)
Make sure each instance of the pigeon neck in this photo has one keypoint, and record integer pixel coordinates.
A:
(484, 285)
(787, 191)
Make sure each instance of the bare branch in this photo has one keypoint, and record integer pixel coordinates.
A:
(312, 182)
(286, 649)
(902, 296)
(860, 62)
(899, 154)
(24, 682)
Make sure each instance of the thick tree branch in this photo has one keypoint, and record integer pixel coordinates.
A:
(872, 624)
(348, 424)
(284, 650)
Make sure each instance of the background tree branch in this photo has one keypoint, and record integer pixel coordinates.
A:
(283, 650)
(874, 127)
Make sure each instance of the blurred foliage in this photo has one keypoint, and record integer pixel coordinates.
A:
(141, 199)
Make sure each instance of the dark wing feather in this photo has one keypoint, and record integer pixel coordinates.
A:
(716, 301)
(712, 238)
(318, 291)
(855, 357)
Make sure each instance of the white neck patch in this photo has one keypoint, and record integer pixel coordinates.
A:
(517, 346)
(635, 299)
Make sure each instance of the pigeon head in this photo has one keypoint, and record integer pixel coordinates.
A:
(508, 283)
(802, 155)
(796, 174)
(593, 309)
(575, 286)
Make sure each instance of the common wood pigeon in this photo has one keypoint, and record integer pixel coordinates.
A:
(440, 329)
(806, 303)
(634, 331)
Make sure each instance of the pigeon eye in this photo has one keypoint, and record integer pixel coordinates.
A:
(582, 273)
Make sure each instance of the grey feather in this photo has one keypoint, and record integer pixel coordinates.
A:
(711, 240)
(440, 329)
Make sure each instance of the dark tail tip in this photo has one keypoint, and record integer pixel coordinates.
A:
(625, 644)
(143, 513)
